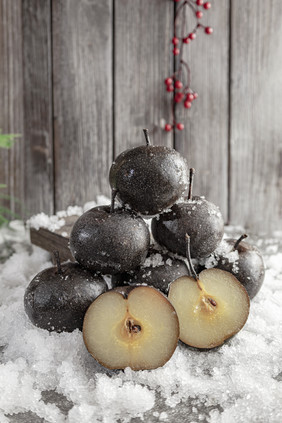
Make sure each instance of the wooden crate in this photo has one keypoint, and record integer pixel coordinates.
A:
(57, 240)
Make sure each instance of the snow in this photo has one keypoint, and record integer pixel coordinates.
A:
(55, 222)
(154, 260)
(238, 382)
(42, 220)
(225, 252)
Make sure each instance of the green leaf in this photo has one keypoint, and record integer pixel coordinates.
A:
(7, 140)
(3, 186)
(3, 220)
(9, 197)
(5, 210)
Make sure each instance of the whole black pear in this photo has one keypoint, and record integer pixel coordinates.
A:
(58, 297)
(197, 217)
(248, 269)
(149, 178)
(110, 241)
(158, 271)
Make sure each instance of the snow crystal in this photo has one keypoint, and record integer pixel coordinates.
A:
(197, 200)
(169, 262)
(154, 260)
(163, 416)
(226, 253)
(238, 382)
(42, 220)
(71, 211)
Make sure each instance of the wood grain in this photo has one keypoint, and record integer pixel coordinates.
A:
(102, 65)
(38, 128)
(82, 77)
(55, 241)
(256, 110)
(204, 140)
(11, 106)
(142, 60)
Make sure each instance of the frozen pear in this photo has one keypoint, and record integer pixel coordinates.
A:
(149, 178)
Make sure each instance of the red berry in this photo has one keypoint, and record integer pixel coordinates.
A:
(178, 84)
(168, 127)
(195, 96)
(186, 40)
(175, 41)
(187, 104)
(180, 126)
(176, 51)
(169, 88)
(192, 36)
(168, 81)
(178, 97)
(199, 14)
(190, 97)
(207, 5)
(200, 2)
(208, 30)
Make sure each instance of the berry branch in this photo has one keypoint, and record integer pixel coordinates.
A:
(179, 83)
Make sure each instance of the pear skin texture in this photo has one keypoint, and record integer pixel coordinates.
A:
(198, 218)
(149, 178)
(110, 242)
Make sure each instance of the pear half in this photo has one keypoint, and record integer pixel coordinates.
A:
(210, 309)
(138, 329)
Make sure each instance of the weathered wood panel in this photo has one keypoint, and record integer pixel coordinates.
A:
(143, 32)
(11, 102)
(57, 240)
(82, 77)
(38, 126)
(96, 47)
(204, 140)
(256, 110)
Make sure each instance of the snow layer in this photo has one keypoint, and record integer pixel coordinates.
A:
(239, 382)
(55, 222)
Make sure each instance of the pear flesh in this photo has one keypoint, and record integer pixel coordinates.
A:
(140, 330)
(210, 310)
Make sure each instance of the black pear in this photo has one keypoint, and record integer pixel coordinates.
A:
(159, 270)
(149, 178)
(197, 217)
(247, 267)
(58, 297)
(110, 240)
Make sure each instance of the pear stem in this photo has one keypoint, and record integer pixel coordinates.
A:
(56, 256)
(191, 267)
(146, 133)
(239, 240)
(114, 194)
(191, 179)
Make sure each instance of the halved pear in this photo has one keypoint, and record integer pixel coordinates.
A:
(137, 329)
(210, 309)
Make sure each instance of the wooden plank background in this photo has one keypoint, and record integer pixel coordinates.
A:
(79, 81)
(11, 103)
(204, 140)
